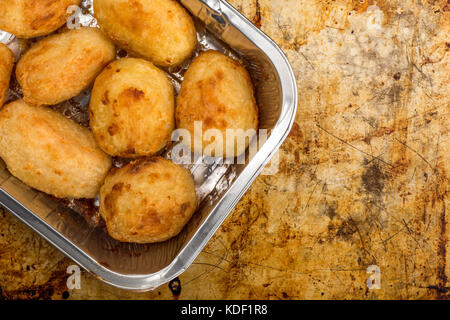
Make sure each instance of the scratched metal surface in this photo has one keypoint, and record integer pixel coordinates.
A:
(363, 176)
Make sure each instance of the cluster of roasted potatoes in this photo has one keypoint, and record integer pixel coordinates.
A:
(132, 109)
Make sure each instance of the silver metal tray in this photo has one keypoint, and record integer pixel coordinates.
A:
(219, 185)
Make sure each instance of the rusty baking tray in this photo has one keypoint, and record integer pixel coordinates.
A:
(219, 184)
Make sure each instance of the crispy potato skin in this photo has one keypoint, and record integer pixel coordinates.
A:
(6, 66)
(61, 66)
(158, 30)
(33, 18)
(51, 153)
(132, 108)
(148, 200)
(218, 92)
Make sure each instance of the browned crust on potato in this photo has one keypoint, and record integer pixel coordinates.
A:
(159, 30)
(61, 66)
(33, 18)
(132, 111)
(148, 200)
(6, 66)
(217, 91)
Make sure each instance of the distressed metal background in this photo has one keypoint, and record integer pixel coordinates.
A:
(363, 177)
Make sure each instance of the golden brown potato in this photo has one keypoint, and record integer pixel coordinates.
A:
(148, 200)
(158, 30)
(33, 18)
(132, 108)
(51, 153)
(217, 91)
(61, 66)
(6, 66)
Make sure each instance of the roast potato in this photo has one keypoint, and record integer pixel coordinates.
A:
(158, 30)
(61, 66)
(132, 108)
(217, 91)
(51, 153)
(33, 18)
(148, 200)
(6, 66)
